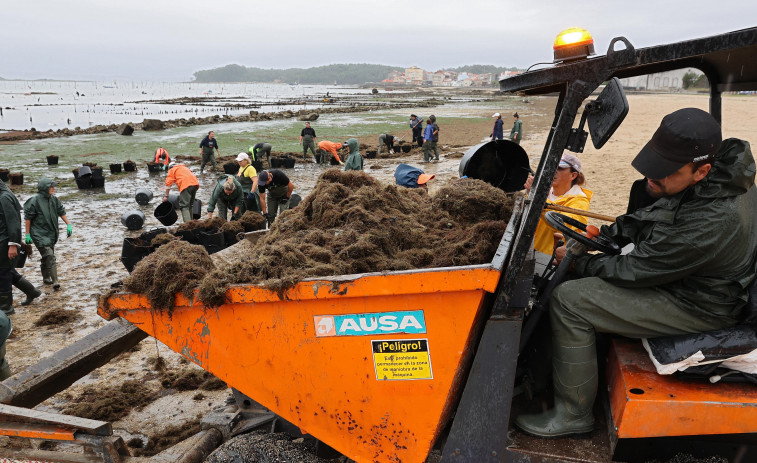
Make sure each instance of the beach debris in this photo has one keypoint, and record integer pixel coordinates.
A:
(152, 124)
(110, 403)
(308, 117)
(125, 129)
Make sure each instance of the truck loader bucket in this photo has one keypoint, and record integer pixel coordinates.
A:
(371, 364)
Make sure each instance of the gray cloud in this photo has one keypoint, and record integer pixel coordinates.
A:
(170, 39)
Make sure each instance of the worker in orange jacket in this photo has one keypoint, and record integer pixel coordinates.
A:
(329, 147)
(161, 157)
(188, 185)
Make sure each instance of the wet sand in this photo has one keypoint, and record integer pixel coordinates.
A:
(89, 260)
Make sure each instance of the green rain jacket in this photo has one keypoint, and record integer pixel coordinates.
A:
(43, 211)
(354, 159)
(236, 198)
(699, 246)
(10, 223)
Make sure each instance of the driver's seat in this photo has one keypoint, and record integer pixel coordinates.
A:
(713, 353)
(645, 403)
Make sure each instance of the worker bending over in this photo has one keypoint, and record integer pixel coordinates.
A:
(161, 157)
(275, 189)
(329, 149)
(388, 140)
(187, 184)
(228, 195)
(260, 150)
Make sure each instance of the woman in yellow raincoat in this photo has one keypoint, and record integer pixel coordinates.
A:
(566, 191)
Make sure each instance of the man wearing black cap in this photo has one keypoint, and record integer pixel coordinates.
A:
(279, 189)
(694, 256)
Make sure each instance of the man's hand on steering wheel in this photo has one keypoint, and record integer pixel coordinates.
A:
(560, 251)
(592, 239)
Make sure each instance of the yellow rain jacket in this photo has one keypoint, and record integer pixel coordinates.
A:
(577, 198)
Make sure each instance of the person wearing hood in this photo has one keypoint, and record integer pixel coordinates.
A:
(228, 195)
(41, 213)
(354, 159)
(330, 149)
(694, 256)
(188, 185)
(567, 190)
(411, 177)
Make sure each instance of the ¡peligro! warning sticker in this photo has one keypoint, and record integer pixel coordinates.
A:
(400, 359)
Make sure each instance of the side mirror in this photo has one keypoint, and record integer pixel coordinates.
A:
(607, 113)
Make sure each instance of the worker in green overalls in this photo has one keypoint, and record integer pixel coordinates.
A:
(516, 133)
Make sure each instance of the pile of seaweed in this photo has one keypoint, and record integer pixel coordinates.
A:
(349, 224)
(173, 267)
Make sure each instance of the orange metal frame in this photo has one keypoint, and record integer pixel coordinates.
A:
(646, 404)
(264, 343)
(37, 431)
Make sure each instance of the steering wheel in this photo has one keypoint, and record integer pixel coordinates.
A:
(599, 241)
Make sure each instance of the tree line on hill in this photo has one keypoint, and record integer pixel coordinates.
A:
(341, 74)
(333, 73)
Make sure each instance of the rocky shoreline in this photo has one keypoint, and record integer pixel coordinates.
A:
(253, 116)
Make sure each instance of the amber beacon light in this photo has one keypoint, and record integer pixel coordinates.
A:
(572, 44)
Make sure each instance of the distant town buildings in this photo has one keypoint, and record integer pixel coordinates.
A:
(661, 81)
(416, 76)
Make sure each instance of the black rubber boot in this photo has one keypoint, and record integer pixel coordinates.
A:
(54, 275)
(45, 275)
(575, 385)
(5, 369)
(6, 303)
(31, 292)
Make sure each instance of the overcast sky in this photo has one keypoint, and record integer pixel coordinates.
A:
(168, 40)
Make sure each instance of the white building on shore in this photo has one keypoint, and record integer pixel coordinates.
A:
(660, 81)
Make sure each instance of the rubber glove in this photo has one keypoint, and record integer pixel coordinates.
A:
(283, 200)
(28, 239)
(251, 196)
(69, 230)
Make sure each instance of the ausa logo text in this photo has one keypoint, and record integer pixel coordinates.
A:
(369, 323)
